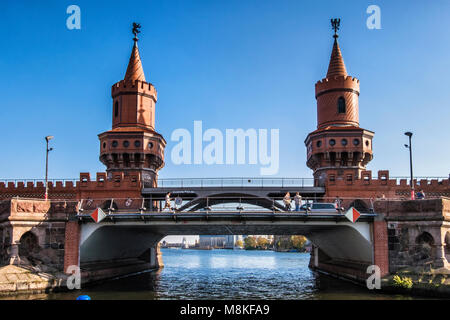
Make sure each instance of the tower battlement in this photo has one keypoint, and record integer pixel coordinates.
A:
(134, 86)
(337, 82)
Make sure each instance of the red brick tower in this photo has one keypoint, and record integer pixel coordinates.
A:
(339, 148)
(133, 145)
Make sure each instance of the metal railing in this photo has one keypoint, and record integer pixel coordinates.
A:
(224, 182)
(235, 182)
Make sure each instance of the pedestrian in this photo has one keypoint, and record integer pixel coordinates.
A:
(371, 205)
(420, 195)
(337, 203)
(168, 200)
(178, 202)
(287, 201)
(298, 201)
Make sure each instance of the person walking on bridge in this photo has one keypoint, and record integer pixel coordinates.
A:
(178, 202)
(287, 201)
(298, 201)
(168, 200)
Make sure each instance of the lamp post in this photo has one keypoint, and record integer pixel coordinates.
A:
(409, 134)
(47, 139)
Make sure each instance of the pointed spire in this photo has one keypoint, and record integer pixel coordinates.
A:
(337, 66)
(134, 69)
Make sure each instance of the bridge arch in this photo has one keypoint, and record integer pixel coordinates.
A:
(425, 250)
(29, 246)
(109, 241)
(252, 198)
(447, 245)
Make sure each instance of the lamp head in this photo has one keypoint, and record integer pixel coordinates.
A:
(48, 138)
(409, 134)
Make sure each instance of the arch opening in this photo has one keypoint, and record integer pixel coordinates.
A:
(424, 249)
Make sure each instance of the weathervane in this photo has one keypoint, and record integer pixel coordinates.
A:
(136, 27)
(335, 23)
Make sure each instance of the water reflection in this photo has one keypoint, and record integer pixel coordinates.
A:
(227, 274)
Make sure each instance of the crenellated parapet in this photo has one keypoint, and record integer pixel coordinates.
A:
(118, 185)
(346, 186)
(134, 87)
(337, 82)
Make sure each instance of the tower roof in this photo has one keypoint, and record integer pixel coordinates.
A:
(337, 66)
(134, 69)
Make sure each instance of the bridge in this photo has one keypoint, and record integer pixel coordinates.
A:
(126, 241)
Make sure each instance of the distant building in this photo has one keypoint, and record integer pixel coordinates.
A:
(218, 241)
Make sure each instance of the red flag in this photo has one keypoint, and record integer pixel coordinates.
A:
(352, 214)
(98, 215)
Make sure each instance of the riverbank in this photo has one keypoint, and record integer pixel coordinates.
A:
(431, 283)
(19, 280)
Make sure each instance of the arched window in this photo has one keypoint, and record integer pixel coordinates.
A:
(341, 105)
(116, 109)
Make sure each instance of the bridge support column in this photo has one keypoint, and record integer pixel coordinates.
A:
(156, 257)
(72, 245)
(380, 245)
(440, 261)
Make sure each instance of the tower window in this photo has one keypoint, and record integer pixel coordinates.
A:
(356, 142)
(341, 105)
(115, 144)
(319, 144)
(126, 144)
(332, 142)
(344, 142)
(116, 109)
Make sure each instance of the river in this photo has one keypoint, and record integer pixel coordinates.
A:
(227, 274)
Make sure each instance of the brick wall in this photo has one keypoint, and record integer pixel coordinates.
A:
(72, 245)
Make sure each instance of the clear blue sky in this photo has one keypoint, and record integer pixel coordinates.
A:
(232, 64)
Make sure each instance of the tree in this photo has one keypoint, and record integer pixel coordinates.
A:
(239, 243)
(298, 242)
(262, 242)
(250, 243)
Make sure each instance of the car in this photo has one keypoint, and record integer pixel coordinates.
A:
(319, 207)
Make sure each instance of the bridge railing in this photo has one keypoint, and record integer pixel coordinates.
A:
(222, 203)
(234, 182)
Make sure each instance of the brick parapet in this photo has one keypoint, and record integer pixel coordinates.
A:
(367, 187)
(126, 185)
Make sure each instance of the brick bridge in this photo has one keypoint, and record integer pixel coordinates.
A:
(53, 235)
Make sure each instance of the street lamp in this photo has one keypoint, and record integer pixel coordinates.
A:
(47, 139)
(409, 134)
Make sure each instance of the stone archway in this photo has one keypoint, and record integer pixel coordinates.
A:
(425, 251)
(29, 247)
(447, 246)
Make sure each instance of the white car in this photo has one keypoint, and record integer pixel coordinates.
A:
(319, 207)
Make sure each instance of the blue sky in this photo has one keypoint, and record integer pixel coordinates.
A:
(232, 64)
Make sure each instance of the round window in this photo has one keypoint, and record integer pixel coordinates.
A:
(332, 142)
(114, 144)
(126, 144)
(137, 143)
(150, 145)
(356, 142)
(319, 144)
(344, 142)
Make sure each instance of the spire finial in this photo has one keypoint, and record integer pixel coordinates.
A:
(335, 23)
(136, 27)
